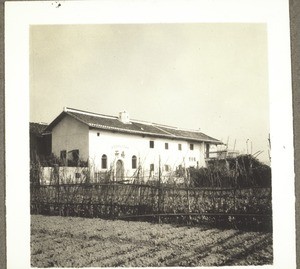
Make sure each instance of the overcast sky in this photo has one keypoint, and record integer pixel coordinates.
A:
(208, 76)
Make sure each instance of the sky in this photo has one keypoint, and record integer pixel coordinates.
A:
(212, 77)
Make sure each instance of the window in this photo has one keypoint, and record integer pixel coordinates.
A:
(207, 150)
(151, 167)
(73, 157)
(151, 144)
(179, 147)
(191, 146)
(133, 162)
(63, 157)
(104, 162)
(63, 154)
(167, 168)
(166, 145)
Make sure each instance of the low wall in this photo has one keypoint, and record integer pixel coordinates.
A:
(63, 175)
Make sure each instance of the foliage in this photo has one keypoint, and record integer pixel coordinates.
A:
(242, 171)
(35, 173)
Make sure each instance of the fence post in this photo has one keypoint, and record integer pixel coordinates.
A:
(58, 189)
(234, 207)
(159, 190)
(188, 195)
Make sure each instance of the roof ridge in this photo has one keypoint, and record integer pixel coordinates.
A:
(153, 123)
(164, 131)
(179, 128)
(79, 111)
(68, 109)
(141, 121)
(166, 126)
(156, 129)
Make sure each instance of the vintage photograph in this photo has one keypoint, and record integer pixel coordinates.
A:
(150, 145)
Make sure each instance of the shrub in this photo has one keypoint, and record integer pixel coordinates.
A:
(242, 171)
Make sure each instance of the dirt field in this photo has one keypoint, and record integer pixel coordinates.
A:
(80, 242)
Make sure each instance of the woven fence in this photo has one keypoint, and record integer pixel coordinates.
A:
(223, 206)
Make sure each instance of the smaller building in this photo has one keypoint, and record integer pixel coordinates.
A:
(40, 141)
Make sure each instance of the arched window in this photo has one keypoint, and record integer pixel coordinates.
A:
(134, 162)
(104, 162)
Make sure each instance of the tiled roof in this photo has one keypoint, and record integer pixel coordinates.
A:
(189, 134)
(112, 123)
(37, 128)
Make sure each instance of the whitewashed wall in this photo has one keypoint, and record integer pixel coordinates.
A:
(63, 175)
(123, 146)
(70, 134)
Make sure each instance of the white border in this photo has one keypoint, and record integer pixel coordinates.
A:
(18, 17)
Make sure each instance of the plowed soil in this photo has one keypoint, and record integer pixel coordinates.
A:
(81, 242)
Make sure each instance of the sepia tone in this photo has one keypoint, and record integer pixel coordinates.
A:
(165, 235)
(87, 163)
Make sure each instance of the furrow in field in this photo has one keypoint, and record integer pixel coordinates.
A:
(154, 257)
(98, 253)
(78, 242)
(202, 246)
(215, 255)
(77, 249)
(114, 260)
(123, 247)
(49, 243)
(192, 237)
(254, 249)
(176, 237)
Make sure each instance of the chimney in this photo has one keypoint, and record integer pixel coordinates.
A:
(124, 117)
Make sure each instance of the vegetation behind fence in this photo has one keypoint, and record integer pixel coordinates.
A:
(237, 191)
(248, 206)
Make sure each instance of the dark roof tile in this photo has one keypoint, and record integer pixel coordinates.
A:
(105, 122)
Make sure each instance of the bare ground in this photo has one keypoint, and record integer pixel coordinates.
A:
(80, 242)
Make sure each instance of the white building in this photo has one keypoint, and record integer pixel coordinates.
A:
(125, 146)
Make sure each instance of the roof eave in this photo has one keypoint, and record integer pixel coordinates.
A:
(112, 129)
(50, 127)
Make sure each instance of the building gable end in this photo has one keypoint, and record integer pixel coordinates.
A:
(59, 118)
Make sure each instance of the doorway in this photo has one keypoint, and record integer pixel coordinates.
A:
(119, 170)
